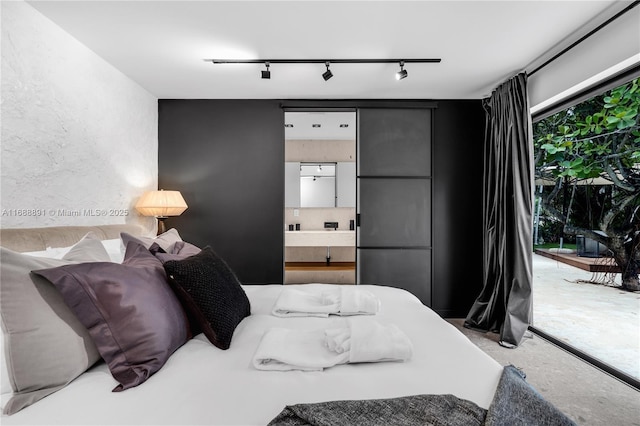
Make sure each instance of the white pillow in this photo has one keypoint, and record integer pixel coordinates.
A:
(5, 385)
(50, 252)
(114, 249)
(6, 391)
(42, 253)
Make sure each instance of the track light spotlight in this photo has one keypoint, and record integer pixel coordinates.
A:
(327, 74)
(266, 74)
(402, 73)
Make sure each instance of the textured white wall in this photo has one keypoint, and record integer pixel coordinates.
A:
(79, 139)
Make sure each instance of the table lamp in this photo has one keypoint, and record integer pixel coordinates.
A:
(161, 204)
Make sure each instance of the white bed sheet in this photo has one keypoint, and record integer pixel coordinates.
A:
(201, 384)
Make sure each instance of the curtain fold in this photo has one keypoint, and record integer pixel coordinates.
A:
(505, 303)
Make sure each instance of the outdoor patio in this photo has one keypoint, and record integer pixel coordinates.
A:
(600, 320)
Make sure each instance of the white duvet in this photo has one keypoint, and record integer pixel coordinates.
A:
(201, 384)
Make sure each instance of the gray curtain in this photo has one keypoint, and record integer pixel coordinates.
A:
(505, 304)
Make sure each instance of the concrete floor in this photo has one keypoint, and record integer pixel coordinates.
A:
(586, 394)
(600, 320)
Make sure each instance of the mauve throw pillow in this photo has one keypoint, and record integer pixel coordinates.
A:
(46, 347)
(129, 309)
(179, 251)
(165, 240)
(211, 293)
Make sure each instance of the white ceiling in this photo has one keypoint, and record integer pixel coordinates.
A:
(162, 44)
(320, 125)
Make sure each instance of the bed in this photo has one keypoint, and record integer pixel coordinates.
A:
(203, 384)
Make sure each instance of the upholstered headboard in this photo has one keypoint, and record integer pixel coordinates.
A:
(37, 239)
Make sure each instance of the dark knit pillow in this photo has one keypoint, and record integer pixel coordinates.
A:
(211, 293)
(180, 250)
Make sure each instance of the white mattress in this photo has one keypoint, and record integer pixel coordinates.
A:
(201, 384)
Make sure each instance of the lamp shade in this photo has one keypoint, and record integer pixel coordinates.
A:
(161, 204)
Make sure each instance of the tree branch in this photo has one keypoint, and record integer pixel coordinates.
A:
(554, 192)
(575, 230)
(602, 135)
(616, 181)
(555, 213)
(611, 214)
(573, 196)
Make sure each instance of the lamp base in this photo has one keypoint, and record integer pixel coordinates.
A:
(162, 227)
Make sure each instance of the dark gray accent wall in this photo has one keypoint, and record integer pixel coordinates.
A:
(227, 159)
(457, 206)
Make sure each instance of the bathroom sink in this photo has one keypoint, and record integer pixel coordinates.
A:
(321, 238)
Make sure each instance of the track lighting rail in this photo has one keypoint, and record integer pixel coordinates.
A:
(266, 74)
(324, 61)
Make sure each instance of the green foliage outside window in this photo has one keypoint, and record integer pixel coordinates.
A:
(588, 161)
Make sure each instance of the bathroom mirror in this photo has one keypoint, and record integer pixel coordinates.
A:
(318, 185)
(318, 138)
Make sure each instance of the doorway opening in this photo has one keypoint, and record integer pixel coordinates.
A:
(320, 197)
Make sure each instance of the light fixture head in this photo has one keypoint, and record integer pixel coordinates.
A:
(161, 203)
(402, 73)
(266, 74)
(327, 74)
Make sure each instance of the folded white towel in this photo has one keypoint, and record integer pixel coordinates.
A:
(324, 301)
(338, 339)
(293, 302)
(375, 342)
(355, 301)
(355, 340)
(282, 349)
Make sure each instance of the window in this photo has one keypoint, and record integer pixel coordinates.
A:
(587, 226)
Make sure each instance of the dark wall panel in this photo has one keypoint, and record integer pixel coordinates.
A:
(398, 142)
(400, 268)
(457, 206)
(395, 212)
(227, 159)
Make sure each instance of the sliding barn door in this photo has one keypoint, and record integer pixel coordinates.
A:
(394, 199)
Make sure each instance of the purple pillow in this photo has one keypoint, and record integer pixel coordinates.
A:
(132, 315)
(165, 240)
(178, 251)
